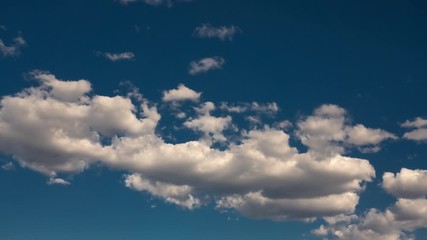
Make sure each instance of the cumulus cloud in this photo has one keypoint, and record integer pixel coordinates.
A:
(223, 32)
(420, 131)
(114, 57)
(205, 64)
(328, 131)
(209, 125)
(259, 175)
(397, 222)
(181, 93)
(13, 49)
(179, 195)
(406, 184)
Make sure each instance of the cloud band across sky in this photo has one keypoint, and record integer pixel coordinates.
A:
(258, 173)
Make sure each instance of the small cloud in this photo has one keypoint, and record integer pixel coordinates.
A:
(205, 64)
(114, 57)
(13, 49)
(8, 166)
(223, 32)
(419, 133)
(58, 181)
(181, 93)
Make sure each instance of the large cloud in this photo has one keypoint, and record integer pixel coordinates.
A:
(397, 222)
(58, 127)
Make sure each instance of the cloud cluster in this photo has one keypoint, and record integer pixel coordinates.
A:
(329, 131)
(223, 32)
(397, 222)
(114, 57)
(419, 132)
(13, 49)
(259, 175)
(205, 64)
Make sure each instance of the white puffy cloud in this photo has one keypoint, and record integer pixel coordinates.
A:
(13, 49)
(406, 184)
(253, 174)
(209, 125)
(179, 195)
(420, 131)
(223, 32)
(114, 57)
(397, 222)
(181, 93)
(328, 132)
(205, 64)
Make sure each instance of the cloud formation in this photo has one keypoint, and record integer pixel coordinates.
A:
(419, 133)
(257, 173)
(205, 64)
(181, 93)
(223, 32)
(397, 222)
(328, 131)
(13, 49)
(114, 57)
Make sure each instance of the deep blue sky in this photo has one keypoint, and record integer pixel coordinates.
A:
(369, 57)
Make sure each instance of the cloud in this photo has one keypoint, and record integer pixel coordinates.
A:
(419, 133)
(406, 184)
(179, 195)
(209, 125)
(223, 32)
(8, 166)
(167, 3)
(205, 64)
(114, 57)
(13, 49)
(257, 173)
(328, 131)
(58, 181)
(181, 93)
(397, 222)
(417, 123)
(259, 108)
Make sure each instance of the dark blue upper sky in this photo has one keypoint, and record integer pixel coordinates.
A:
(368, 57)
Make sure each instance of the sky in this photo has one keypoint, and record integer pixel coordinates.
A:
(197, 119)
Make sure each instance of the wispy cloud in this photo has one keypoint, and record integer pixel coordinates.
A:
(12, 49)
(122, 56)
(222, 32)
(205, 64)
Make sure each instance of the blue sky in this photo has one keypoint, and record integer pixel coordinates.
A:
(167, 119)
